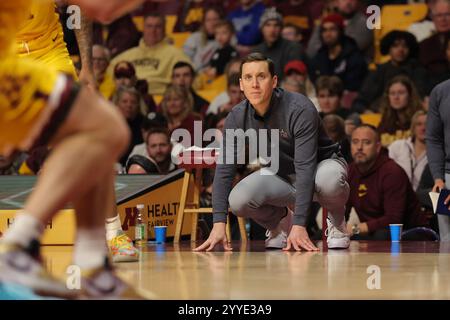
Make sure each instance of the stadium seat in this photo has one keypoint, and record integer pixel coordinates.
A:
(202, 82)
(301, 22)
(179, 38)
(208, 95)
(373, 119)
(139, 22)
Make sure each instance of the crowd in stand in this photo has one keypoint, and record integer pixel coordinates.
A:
(321, 48)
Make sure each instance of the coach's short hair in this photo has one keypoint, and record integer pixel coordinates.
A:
(257, 56)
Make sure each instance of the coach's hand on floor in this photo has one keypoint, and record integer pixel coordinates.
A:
(218, 235)
(299, 240)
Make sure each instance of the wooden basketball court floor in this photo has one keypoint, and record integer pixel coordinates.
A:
(367, 270)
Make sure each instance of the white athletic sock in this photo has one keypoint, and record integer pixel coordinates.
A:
(24, 229)
(113, 227)
(90, 248)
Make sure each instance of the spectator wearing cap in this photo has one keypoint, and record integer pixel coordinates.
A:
(298, 71)
(246, 23)
(125, 76)
(402, 48)
(354, 27)
(432, 54)
(279, 50)
(339, 55)
(183, 74)
(154, 57)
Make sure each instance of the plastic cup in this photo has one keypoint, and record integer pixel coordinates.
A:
(395, 248)
(160, 234)
(396, 232)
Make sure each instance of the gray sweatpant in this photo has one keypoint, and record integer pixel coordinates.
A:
(265, 197)
(443, 220)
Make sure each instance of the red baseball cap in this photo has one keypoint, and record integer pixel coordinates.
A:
(335, 18)
(296, 65)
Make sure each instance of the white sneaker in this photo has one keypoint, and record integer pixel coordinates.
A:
(337, 237)
(277, 238)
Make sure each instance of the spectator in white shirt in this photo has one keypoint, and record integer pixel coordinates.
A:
(411, 153)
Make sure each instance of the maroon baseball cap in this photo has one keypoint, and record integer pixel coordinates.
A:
(335, 18)
(124, 69)
(295, 65)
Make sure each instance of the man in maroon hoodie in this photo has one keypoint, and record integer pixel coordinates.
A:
(380, 190)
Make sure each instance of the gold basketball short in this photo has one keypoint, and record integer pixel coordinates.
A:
(35, 99)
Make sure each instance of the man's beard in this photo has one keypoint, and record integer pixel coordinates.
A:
(365, 161)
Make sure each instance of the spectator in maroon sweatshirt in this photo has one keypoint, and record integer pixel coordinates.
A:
(380, 190)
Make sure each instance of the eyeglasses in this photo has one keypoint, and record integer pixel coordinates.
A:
(441, 15)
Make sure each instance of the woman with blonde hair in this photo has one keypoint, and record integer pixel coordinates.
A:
(411, 153)
(399, 103)
(201, 45)
(130, 104)
(177, 108)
